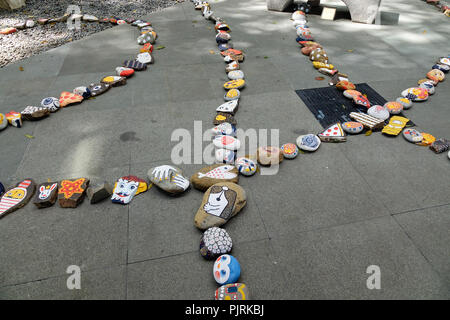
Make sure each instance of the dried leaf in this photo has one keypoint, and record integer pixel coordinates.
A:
(29, 136)
(211, 51)
(350, 50)
(368, 132)
(44, 42)
(194, 21)
(266, 57)
(160, 47)
(21, 68)
(319, 78)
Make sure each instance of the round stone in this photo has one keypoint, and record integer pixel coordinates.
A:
(436, 75)
(290, 150)
(246, 166)
(427, 85)
(51, 103)
(3, 121)
(268, 156)
(345, 85)
(434, 83)
(225, 156)
(352, 127)
(236, 75)
(234, 84)
(232, 94)
(445, 60)
(415, 94)
(215, 242)
(406, 103)
(298, 15)
(233, 292)
(443, 67)
(308, 142)
(226, 269)
(378, 112)
(393, 107)
(412, 135)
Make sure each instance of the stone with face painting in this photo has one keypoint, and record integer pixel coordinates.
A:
(17, 197)
(436, 75)
(226, 269)
(126, 188)
(98, 88)
(46, 195)
(215, 242)
(14, 118)
(3, 121)
(246, 166)
(51, 103)
(232, 292)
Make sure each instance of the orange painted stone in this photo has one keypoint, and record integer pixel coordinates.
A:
(71, 192)
(8, 30)
(68, 98)
(345, 85)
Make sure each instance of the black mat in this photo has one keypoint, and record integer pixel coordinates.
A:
(329, 105)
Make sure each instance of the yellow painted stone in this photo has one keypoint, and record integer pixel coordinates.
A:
(108, 79)
(233, 93)
(395, 125)
(319, 65)
(220, 117)
(234, 84)
(427, 140)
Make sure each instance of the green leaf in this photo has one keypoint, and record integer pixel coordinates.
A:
(29, 136)
(160, 47)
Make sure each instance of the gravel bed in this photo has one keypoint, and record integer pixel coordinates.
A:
(28, 42)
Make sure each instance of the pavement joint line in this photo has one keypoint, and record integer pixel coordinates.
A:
(421, 209)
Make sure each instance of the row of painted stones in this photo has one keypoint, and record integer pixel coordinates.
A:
(376, 115)
(443, 6)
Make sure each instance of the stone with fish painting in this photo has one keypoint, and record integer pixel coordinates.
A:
(210, 175)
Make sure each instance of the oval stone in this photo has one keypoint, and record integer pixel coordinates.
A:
(353, 127)
(428, 86)
(268, 156)
(308, 142)
(436, 75)
(393, 107)
(226, 269)
(290, 150)
(351, 93)
(378, 112)
(345, 85)
(227, 142)
(232, 94)
(235, 75)
(234, 84)
(246, 166)
(415, 94)
(3, 121)
(215, 242)
(406, 103)
(412, 135)
(233, 292)
(51, 103)
(224, 128)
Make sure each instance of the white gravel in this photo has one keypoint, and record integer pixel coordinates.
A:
(28, 42)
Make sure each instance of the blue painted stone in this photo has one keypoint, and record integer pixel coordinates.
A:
(226, 269)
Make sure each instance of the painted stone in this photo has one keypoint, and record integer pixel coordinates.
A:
(336, 77)
(443, 67)
(412, 135)
(361, 100)
(236, 75)
(99, 192)
(17, 197)
(221, 202)
(351, 93)
(232, 52)
(14, 118)
(213, 174)
(224, 46)
(225, 156)
(20, 26)
(232, 94)
(226, 270)
(146, 38)
(126, 188)
(428, 86)
(289, 150)
(89, 18)
(269, 155)
(427, 140)
(98, 88)
(136, 22)
(436, 75)
(393, 107)
(333, 133)
(145, 58)
(143, 24)
(304, 34)
(71, 192)
(444, 60)
(306, 50)
(224, 117)
(319, 55)
(32, 113)
(120, 22)
(328, 72)
(114, 81)
(221, 26)
(435, 83)
(298, 15)
(319, 65)
(232, 292)
(308, 142)
(345, 85)
(406, 103)
(226, 142)
(415, 94)
(42, 21)
(8, 30)
(352, 127)
(233, 57)
(224, 128)
(223, 37)
(68, 98)
(215, 242)
(378, 112)
(234, 84)
(228, 107)
(46, 195)
(232, 66)
(2, 189)
(168, 178)
(124, 72)
(82, 91)
(395, 125)
(367, 121)
(246, 166)
(30, 24)
(3, 121)
(148, 47)
(135, 65)
(440, 145)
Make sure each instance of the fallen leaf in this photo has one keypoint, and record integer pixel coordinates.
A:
(194, 21)
(350, 50)
(368, 132)
(266, 57)
(21, 68)
(160, 47)
(211, 51)
(319, 78)
(29, 136)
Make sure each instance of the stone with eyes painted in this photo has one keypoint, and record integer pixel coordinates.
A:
(98, 88)
(51, 103)
(126, 188)
(17, 197)
(226, 269)
(246, 166)
(46, 195)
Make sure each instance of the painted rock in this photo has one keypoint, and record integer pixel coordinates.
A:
(17, 197)
(232, 66)
(98, 88)
(148, 47)
(443, 67)
(232, 94)
(99, 192)
(319, 65)
(345, 85)
(415, 94)
(427, 140)
(228, 107)
(20, 26)
(146, 38)
(224, 128)
(143, 24)
(367, 120)
(3, 121)
(213, 174)
(428, 86)
(68, 98)
(46, 195)
(233, 57)
(234, 84)
(224, 46)
(31, 113)
(224, 117)
(232, 292)
(221, 26)
(42, 21)
(8, 30)
(440, 145)
(225, 156)
(319, 55)
(168, 178)
(268, 156)
(82, 91)
(336, 77)
(333, 133)
(236, 75)
(395, 125)
(114, 81)
(89, 18)
(351, 93)
(124, 72)
(393, 107)
(215, 242)
(436, 75)
(328, 72)
(136, 22)
(14, 118)
(119, 22)
(361, 100)
(232, 52)
(378, 112)
(406, 103)
(30, 24)
(435, 83)
(126, 188)
(246, 166)
(226, 142)
(145, 58)
(223, 37)
(226, 269)
(289, 150)
(2, 189)
(71, 192)
(298, 15)
(444, 60)
(308, 49)
(221, 202)
(352, 127)
(135, 65)
(308, 142)
(304, 34)
(412, 135)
